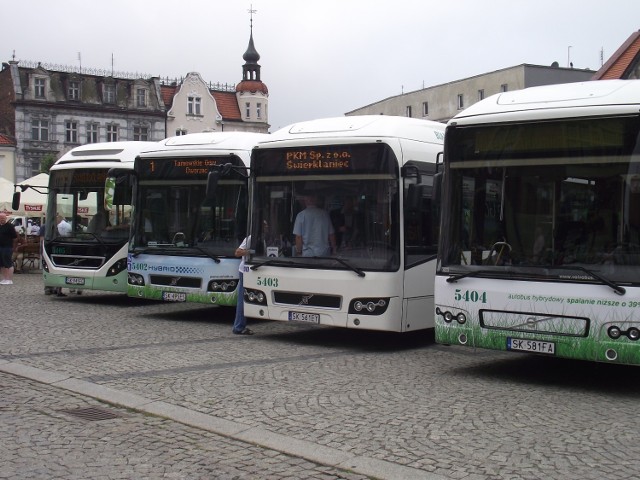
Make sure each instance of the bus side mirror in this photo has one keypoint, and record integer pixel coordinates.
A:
(214, 177)
(15, 202)
(117, 187)
(437, 188)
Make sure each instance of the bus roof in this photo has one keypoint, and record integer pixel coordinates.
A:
(365, 126)
(106, 151)
(601, 97)
(226, 140)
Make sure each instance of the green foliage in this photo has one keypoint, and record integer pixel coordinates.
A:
(47, 161)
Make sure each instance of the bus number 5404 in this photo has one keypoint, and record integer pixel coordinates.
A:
(470, 296)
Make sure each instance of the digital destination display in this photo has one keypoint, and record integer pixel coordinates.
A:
(367, 158)
(79, 178)
(181, 168)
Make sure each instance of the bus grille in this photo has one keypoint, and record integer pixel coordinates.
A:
(175, 281)
(73, 261)
(307, 299)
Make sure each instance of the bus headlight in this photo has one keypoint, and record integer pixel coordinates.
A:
(369, 306)
(117, 267)
(254, 296)
(135, 279)
(614, 332)
(224, 286)
(633, 334)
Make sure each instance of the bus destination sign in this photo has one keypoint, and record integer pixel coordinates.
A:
(179, 168)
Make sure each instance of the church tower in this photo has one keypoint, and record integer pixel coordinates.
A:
(251, 92)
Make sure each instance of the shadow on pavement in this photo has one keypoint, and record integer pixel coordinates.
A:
(362, 340)
(558, 372)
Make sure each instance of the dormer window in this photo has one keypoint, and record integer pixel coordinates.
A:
(141, 97)
(74, 90)
(39, 87)
(109, 93)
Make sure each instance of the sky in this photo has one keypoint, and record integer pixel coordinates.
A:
(318, 58)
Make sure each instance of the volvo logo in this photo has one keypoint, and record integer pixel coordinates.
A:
(305, 299)
(174, 281)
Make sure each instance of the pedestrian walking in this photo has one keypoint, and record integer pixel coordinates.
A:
(8, 240)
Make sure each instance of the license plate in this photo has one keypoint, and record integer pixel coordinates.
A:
(174, 297)
(74, 280)
(534, 346)
(304, 317)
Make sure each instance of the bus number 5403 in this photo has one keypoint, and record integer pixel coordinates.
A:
(470, 296)
(267, 282)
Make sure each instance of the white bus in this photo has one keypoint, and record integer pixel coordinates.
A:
(183, 243)
(540, 245)
(372, 176)
(85, 256)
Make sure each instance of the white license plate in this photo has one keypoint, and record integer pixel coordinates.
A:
(304, 317)
(534, 346)
(174, 297)
(74, 280)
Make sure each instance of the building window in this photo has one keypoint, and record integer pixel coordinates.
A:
(71, 131)
(193, 106)
(425, 109)
(112, 133)
(109, 94)
(181, 131)
(259, 110)
(504, 87)
(40, 130)
(38, 86)
(247, 107)
(141, 97)
(141, 134)
(74, 90)
(460, 101)
(408, 111)
(480, 94)
(93, 132)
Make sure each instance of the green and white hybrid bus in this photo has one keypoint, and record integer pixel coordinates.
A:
(540, 245)
(183, 243)
(91, 253)
(372, 175)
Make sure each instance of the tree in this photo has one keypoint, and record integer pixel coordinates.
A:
(47, 162)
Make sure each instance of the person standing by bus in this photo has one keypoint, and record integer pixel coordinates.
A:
(240, 322)
(8, 239)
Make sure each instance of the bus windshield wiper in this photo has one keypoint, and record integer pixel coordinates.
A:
(271, 261)
(617, 288)
(345, 263)
(213, 257)
(454, 277)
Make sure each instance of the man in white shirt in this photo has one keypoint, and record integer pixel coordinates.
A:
(64, 227)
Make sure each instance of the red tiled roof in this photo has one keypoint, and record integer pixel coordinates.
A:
(7, 140)
(227, 105)
(167, 92)
(252, 86)
(621, 60)
(226, 101)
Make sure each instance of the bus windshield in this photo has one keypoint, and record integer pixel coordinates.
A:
(555, 199)
(355, 185)
(174, 214)
(76, 198)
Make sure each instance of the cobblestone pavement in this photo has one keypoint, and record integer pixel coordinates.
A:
(292, 401)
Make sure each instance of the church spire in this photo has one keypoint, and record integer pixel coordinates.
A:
(251, 69)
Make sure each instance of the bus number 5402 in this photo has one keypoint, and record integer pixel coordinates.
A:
(470, 296)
